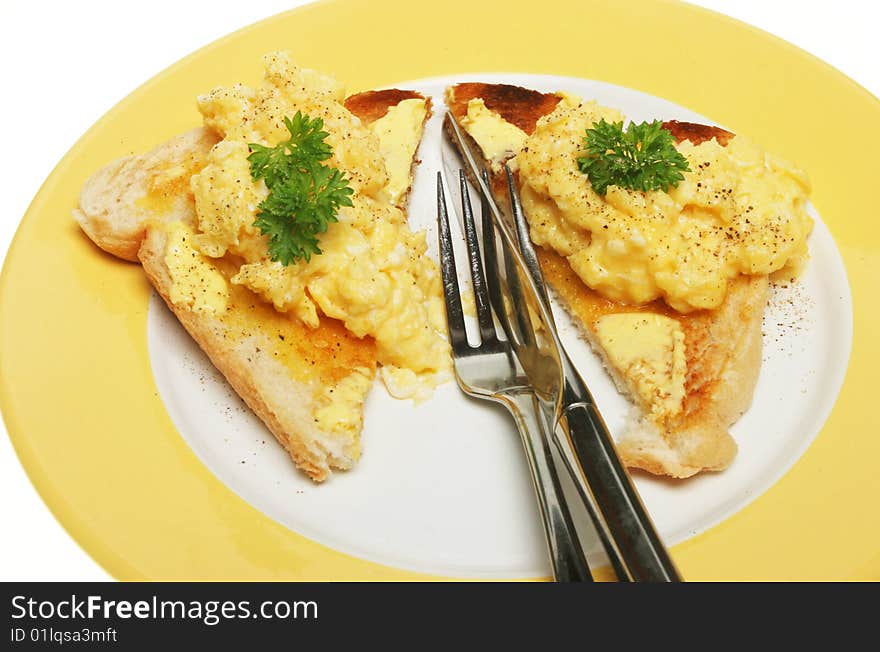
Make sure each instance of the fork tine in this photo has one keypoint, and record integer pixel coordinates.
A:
(490, 256)
(523, 239)
(524, 334)
(519, 330)
(481, 294)
(454, 313)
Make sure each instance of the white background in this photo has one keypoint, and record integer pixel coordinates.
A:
(65, 64)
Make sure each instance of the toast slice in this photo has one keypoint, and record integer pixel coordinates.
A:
(306, 384)
(119, 200)
(719, 353)
(303, 383)
(373, 108)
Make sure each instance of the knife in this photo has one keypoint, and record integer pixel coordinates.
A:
(579, 432)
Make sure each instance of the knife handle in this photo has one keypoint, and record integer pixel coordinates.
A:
(623, 519)
(566, 553)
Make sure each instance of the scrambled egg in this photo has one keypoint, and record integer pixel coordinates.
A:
(340, 409)
(648, 350)
(739, 211)
(398, 132)
(497, 138)
(373, 274)
(196, 283)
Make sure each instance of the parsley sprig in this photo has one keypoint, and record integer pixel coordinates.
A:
(304, 195)
(643, 157)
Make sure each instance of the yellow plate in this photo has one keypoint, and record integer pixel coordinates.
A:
(79, 398)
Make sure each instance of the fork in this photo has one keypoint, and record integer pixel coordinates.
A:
(572, 418)
(491, 371)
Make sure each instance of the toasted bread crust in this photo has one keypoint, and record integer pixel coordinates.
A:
(723, 346)
(697, 133)
(520, 106)
(369, 106)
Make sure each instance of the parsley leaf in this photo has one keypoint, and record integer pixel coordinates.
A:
(641, 158)
(304, 195)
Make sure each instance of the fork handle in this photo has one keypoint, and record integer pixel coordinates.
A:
(623, 517)
(566, 553)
